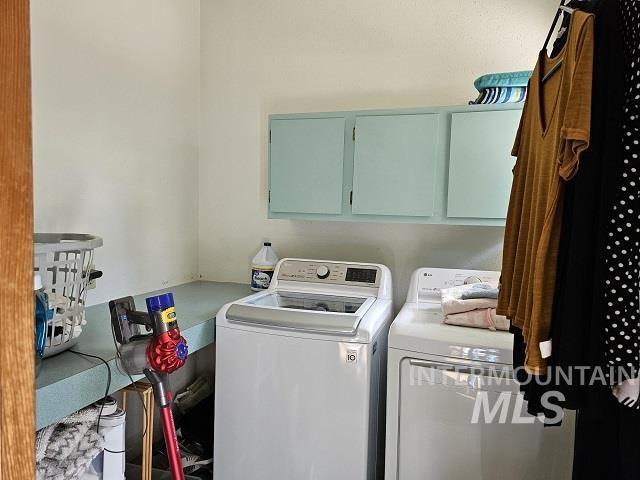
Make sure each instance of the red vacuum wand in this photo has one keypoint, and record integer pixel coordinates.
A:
(164, 400)
(150, 343)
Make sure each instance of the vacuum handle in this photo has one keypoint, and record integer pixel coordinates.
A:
(171, 441)
(160, 384)
(164, 400)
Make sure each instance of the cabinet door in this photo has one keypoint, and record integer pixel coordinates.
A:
(306, 161)
(480, 163)
(394, 165)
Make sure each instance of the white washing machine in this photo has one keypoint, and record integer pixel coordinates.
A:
(300, 375)
(437, 373)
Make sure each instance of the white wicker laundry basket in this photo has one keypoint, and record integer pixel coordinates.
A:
(63, 261)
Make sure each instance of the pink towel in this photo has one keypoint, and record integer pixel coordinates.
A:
(482, 318)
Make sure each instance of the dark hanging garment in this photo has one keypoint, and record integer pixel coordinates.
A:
(577, 324)
(621, 282)
(532, 387)
(607, 441)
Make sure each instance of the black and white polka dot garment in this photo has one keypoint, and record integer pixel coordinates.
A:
(622, 280)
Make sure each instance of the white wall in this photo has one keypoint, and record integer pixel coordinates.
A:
(284, 56)
(115, 126)
(117, 89)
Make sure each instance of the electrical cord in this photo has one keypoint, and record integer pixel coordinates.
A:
(106, 393)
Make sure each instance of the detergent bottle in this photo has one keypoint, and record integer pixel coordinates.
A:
(262, 267)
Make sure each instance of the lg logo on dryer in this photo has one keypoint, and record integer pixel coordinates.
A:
(352, 356)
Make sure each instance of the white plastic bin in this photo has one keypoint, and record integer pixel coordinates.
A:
(64, 261)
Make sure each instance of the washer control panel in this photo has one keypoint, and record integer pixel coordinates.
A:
(328, 272)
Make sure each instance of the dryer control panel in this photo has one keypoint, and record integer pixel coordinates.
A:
(426, 283)
(330, 272)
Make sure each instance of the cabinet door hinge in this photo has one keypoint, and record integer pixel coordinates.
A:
(269, 196)
(351, 198)
(269, 135)
(353, 134)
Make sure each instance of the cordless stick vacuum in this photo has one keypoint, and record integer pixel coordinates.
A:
(150, 343)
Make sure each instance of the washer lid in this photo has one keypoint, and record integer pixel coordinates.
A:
(419, 328)
(310, 302)
(309, 312)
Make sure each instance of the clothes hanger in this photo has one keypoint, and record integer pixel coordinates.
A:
(569, 8)
(553, 25)
(561, 9)
(560, 39)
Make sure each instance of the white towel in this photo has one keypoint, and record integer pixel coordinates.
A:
(65, 449)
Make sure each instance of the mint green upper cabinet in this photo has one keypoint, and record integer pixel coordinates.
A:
(480, 163)
(306, 165)
(394, 165)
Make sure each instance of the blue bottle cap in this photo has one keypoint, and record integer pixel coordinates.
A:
(159, 303)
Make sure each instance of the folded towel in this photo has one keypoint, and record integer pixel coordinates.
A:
(480, 290)
(483, 318)
(492, 95)
(452, 301)
(506, 79)
(65, 449)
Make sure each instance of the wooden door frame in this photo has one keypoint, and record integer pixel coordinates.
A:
(17, 378)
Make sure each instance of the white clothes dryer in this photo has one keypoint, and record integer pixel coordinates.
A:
(439, 375)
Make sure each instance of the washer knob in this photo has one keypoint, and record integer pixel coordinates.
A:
(322, 271)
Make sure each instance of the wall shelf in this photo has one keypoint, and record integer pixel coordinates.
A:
(68, 382)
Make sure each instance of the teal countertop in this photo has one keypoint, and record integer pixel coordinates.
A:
(68, 382)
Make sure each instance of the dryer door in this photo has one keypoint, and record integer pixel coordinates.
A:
(457, 424)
